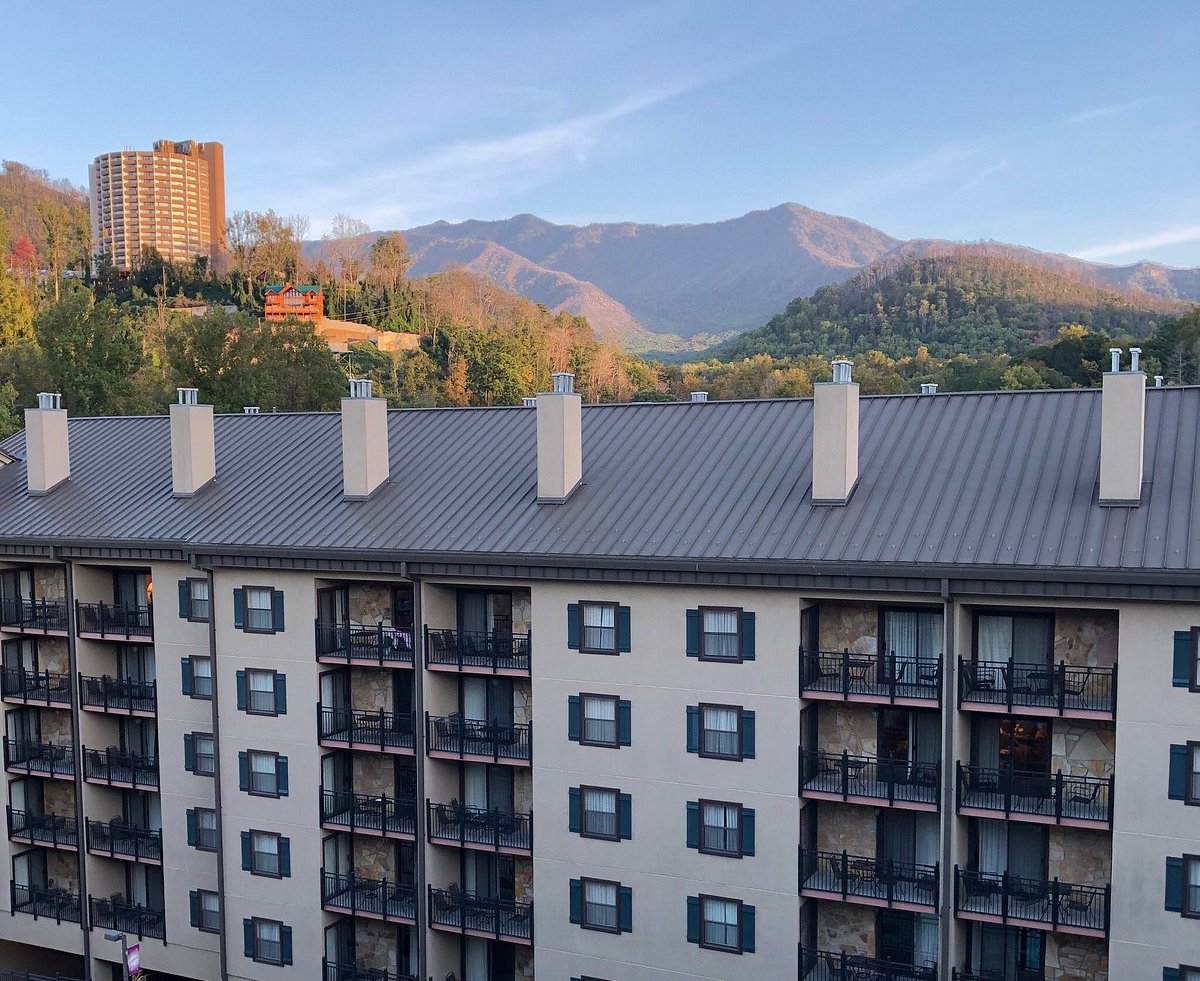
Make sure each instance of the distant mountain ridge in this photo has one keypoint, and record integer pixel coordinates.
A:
(640, 284)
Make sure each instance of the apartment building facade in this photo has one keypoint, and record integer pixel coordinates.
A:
(170, 198)
(275, 717)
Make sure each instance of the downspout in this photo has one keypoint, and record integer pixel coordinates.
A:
(216, 734)
(949, 776)
(419, 747)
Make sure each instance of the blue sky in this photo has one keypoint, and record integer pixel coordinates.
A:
(1067, 126)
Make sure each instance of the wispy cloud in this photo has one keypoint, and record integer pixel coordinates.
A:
(982, 176)
(1100, 112)
(1155, 240)
(941, 163)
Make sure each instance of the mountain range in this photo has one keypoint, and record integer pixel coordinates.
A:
(672, 287)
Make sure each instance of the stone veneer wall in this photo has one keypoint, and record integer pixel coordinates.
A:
(1080, 856)
(852, 626)
(523, 963)
(522, 789)
(370, 603)
(845, 726)
(49, 582)
(522, 702)
(1085, 637)
(846, 926)
(370, 689)
(53, 655)
(846, 827)
(375, 944)
(62, 870)
(374, 858)
(56, 726)
(522, 879)
(58, 797)
(1083, 749)
(1070, 958)
(373, 774)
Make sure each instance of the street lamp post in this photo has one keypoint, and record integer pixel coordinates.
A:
(115, 936)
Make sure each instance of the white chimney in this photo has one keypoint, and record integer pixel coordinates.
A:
(364, 441)
(699, 396)
(1122, 432)
(193, 445)
(1158, 380)
(559, 440)
(835, 437)
(47, 456)
(529, 401)
(250, 410)
(928, 388)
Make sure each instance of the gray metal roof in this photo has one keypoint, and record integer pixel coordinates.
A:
(999, 479)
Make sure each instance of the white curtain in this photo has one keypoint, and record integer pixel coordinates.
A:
(599, 719)
(925, 940)
(476, 959)
(600, 900)
(995, 637)
(475, 792)
(475, 699)
(599, 627)
(720, 633)
(928, 843)
(903, 637)
(601, 809)
(720, 922)
(720, 731)
(993, 846)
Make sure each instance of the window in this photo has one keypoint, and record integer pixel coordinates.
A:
(1192, 793)
(599, 628)
(599, 905)
(719, 636)
(720, 923)
(261, 692)
(206, 911)
(599, 720)
(262, 773)
(720, 734)
(1189, 973)
(720, 828)
(266, 853)
(599, 814)
(1191, 886)
(193, 600)
(201, 676)
(258, 610)
(202, 828)
(1191, 644)
(199, 755)
(268, 941)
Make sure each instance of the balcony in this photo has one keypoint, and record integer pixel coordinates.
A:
(829, 965)
(39, 759)
(35, 687)
(118, 696)
(117, 840)
(351, 972)
(1016, 973)
(352, 643)
(453, 737)
(378, 899)
(477, 916)
(867, 780)
(1052, 689)
(42, 902)
(507, 832)
(1042, 798)
(877, 679)
(477, 652)
(386, 732)
(115, 914)
(120, 768)
(386, 817)
(33, 616)
(48, 830)
(114, 621)
(868, 881)
(1053, 905)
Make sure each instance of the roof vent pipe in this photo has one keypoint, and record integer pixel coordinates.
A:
(1122, 432)
(559, 440)
(1135, 354)
(47, 455)
(699, 396)
(365, 466)
(928, 388)
(1158, 380)
(835, 437)
(529, 401)
(193, 444)
(250, 410)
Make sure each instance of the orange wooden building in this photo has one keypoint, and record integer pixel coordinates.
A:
(304, 301)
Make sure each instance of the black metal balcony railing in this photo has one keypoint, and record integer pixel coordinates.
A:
(39, 759)
(42, 687)
(869, 878)
(1012, 897)
(10, 975)
(23, 613)
(465, 911)
(378, 814)
(478, 650)
(374, 729)
(468, 737)
(1058, 688)
(356, 642)
(45, 902)
(352, 972)
(379, 897)
(118, 766)
(122, 620)
(870, 777)
(1044, 795)
(114, 914)
(999, 974)
(119, 840)
(489, 828)
(831, 965)
(53, 830)
(875, 675)
(118, 694)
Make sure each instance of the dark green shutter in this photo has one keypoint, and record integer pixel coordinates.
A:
(693, 824)
(573, 626)
(1177, 781)
(185, 606)
(747, 830)
(624, 633)
(747, 734)
(1181, 671)
(247, 858)
(281, 694)
(190, 816)
(1173, 891)
(625, 815)
(693, 919)
(285, 856)
(185, 673)
(693, 633)
(239, 608)
(625, 908)
(573, 717)
(576, 901)
(285, 943)
(747, 928)
(281, 775)
(277, 610)
(241, 691)
(574, 818)
(747, 636)
(248, 936)
(693, 729)
(243, 771)
(624, 723)
(1170, 974)
(194, 907)
(189, 753)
